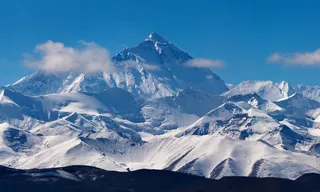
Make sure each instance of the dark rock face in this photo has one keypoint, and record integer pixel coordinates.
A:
(82, 178)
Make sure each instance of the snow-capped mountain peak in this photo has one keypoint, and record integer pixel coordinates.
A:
(285, 88)
(154, 68)
(155, 37)
(311, 92)
(265, 89)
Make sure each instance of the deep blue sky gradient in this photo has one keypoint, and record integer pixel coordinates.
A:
(242, 33)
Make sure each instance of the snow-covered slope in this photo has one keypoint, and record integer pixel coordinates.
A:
(41, 83)
(209, 155)
(265, 89)
(103, 135)
(311, 92)
(298, 105)
(154, 112)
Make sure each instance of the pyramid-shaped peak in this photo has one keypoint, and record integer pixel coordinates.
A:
(156, 38)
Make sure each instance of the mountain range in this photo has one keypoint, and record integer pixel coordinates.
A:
(156, 112)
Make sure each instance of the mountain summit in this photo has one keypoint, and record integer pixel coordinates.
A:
(156, 70)
(156, 38)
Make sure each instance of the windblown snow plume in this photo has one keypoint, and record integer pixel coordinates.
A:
(204, 63)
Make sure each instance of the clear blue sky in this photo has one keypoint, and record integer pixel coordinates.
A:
(240, 32)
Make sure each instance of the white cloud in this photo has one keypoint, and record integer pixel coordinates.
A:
(204, 63)
(56, 57)
(305, 58)
(149, 67)
(275, 57)
(133, 65)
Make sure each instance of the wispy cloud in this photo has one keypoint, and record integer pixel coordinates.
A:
(149, 67)
(130, 64)
(204, 63)
(299, 58)
(56, 57)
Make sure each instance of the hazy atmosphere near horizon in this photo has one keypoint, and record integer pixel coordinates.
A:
(159, 96)
(244, 35)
